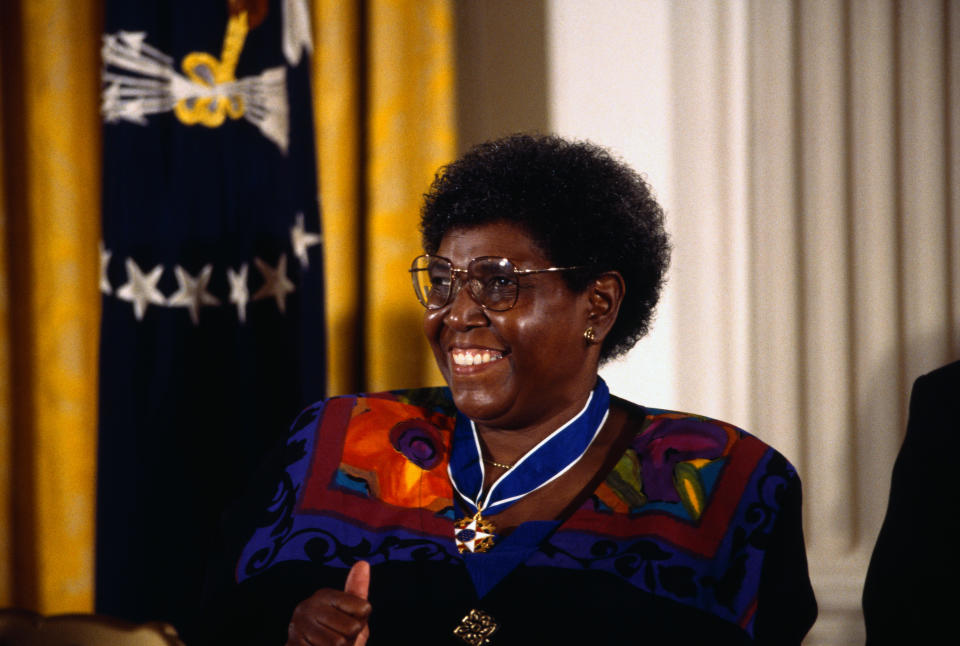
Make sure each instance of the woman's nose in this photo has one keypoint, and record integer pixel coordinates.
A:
(464, 311)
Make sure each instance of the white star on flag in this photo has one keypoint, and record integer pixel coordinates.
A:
(302, 240)
(275, 282)
(104, 262)
(239, 293)
(141, 290)
(192, 292)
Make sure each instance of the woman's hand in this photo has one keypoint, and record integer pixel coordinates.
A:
(331, 617)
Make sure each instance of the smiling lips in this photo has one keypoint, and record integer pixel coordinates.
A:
(474, 357)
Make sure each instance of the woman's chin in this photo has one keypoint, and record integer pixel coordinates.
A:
(476, 403)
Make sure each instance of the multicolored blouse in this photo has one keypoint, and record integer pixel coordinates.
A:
(693, 537)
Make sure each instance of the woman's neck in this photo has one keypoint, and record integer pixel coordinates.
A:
(507, 446)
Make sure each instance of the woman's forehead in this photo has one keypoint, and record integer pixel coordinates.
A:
(500, 238)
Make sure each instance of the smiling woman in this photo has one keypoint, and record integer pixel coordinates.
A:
(523, 503)
(525, 366)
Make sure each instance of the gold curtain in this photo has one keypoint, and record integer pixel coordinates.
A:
(383, 92)
(49, 227)
(383, 84)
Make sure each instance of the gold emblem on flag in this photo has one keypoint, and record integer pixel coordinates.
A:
(217, 74)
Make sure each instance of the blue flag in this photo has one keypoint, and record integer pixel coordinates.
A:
(211, 274)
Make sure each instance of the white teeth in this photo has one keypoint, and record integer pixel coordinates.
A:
(474, 357)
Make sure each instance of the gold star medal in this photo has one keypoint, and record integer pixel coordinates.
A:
(474, 534)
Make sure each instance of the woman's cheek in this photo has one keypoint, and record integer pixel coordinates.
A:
(432, 327)
(432, 320)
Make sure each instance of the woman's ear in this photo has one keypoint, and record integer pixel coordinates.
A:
(606, 294)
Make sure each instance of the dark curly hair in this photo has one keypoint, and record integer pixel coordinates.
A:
(580, 206)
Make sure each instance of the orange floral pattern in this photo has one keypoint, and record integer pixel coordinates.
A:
(401, 452)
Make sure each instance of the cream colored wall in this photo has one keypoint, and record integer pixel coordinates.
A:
(805, 153)
(610, 82)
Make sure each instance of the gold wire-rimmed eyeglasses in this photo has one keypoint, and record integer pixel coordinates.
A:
(491, 281)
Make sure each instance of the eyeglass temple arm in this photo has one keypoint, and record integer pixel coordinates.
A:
(540, 271)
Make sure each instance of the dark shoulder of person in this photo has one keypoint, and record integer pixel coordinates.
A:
(915, 558)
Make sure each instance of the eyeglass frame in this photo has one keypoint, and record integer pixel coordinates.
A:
(458, 283)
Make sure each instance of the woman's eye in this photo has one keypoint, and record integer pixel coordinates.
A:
(498, 283)
(499, 289)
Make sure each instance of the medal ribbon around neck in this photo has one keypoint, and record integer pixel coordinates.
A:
(543, 464)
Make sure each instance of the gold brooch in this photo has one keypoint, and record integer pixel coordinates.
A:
(476, 628)
(474, 534)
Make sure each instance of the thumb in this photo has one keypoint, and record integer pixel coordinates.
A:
(358, 580)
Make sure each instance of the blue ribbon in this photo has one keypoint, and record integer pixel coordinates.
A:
(548, 460)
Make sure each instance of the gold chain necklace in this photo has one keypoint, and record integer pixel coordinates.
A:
(503, 466)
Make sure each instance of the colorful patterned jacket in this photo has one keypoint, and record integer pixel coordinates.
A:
(693, 537)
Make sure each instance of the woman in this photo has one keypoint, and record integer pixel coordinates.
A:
(525, 504)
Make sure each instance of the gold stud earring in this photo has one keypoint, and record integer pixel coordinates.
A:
(589, 335)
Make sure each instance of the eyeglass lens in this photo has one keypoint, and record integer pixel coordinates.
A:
(492, 282)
